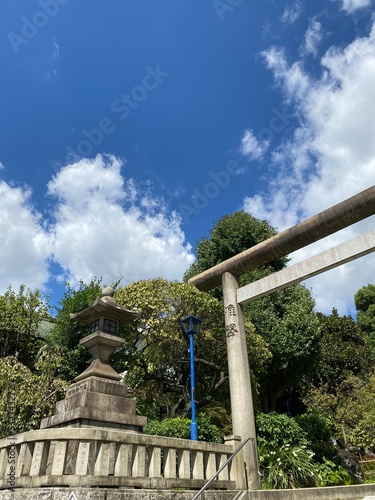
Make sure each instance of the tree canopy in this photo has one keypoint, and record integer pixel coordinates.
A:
(364, 301)
(231, 235)
(343, 370)
(20, 315)
(285, 320)
(27, 396)
(343, 350)
(156, 356)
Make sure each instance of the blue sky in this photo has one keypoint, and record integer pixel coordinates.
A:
(127, 128)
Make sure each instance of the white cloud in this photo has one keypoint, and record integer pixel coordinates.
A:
(24, 244)
(291, 12)
(313, 37)
(94, 234)
(331, 155)
(293, 80)
(103, 225)
(352, 5)
(251, 147)
(1, 166)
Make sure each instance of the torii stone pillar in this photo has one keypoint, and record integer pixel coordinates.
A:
(243, 420)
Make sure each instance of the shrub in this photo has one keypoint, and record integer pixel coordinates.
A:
(330, 474)
(170, 427)
(287, 467)
(319, 430)
(179, 427)
(275, 430)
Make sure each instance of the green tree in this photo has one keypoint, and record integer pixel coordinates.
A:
(364, 301)
(285, 320)
(20, 315)
(156, 355)
(344, 351)
(27, 396)
(233, 234)
(352, 408)
(344, 366)
(360, 416)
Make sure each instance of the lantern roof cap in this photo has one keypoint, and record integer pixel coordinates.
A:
(105, 306)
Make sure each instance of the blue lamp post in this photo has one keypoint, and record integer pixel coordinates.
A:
(191, 325)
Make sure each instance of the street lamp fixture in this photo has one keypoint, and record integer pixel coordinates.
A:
(191, 325)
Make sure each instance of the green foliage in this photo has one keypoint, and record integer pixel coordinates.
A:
(275, 430)
(207, 431)
(287, 322)
(220, 416)
(330, 474)
(360, 416)
(287, 467)
(285, 455)
(26, 397)
(233, 234)
(319, 430)
(179, 427)
(352, 409)
(364, 301)
(20, 315)
(344, 351)
(368, 468)
(337, 406)
(338, 387)
(364, 298)
(156, 355)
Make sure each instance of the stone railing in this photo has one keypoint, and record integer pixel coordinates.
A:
(99, 457)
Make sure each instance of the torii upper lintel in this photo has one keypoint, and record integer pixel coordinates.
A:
(344, 214)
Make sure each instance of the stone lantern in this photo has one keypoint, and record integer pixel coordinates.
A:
(104, 317)
(98, 398)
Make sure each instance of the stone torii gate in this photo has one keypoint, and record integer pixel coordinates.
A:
(325, 223)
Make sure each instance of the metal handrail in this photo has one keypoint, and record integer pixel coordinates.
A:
(228, 460)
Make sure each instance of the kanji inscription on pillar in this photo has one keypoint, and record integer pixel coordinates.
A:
(231, 330)
(231, 310)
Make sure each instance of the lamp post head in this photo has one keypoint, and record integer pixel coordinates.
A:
(191, 324)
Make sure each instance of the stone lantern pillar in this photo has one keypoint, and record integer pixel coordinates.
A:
(98, 398)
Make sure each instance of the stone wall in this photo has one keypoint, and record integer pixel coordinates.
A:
(102, 458)
(359, 492)
(123, 494)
